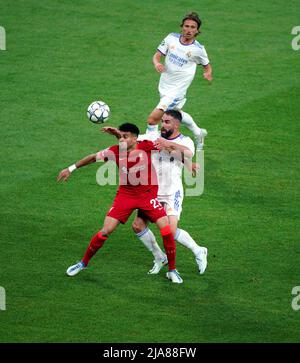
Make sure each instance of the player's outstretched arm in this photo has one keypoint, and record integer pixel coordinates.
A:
(208, 72)
(156, 61)
(65, 173)
(112, 131)
(192, 167)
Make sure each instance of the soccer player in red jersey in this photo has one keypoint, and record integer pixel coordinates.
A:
(137, 190)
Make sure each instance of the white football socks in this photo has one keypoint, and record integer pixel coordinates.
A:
(181, 236)
(186, 240)
(149, 240)
(188, 121)
(151, 128)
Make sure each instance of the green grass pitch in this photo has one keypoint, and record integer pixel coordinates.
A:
(62, 55)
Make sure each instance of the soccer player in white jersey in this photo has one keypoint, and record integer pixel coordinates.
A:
(169, 167)
(183, 53)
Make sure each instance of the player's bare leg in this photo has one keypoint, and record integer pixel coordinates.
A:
(109, 225)
(97, 241)
(170, 248)
(155, 116)
(145, 235)
(154, 119)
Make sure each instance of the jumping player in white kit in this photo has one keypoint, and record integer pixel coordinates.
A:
(168, 166)
(183, 53)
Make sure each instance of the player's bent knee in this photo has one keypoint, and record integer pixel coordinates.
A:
(137, 228)
(162, 222)
(152, 121)
(155, 117)
(173, 231)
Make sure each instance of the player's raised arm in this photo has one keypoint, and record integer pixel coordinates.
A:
(156, 61)
(112, 131)
(65, 173)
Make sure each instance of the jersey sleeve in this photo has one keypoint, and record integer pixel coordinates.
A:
(188, 142)
(201, 57)
(107, 154)
(164, 45)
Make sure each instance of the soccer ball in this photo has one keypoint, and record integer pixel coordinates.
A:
(98, 112)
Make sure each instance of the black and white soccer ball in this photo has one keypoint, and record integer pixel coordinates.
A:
(98, 112)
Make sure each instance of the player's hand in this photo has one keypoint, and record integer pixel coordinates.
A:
(112, 131)
(195, 168)
(207, 76)
(64, 175)
(162, 143)
(160, 67)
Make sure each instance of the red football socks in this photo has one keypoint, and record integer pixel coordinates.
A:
(170, 246)
(97, 242)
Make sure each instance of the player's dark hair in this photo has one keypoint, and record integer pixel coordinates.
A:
(127, 127)
(192, 16)
(175, 114)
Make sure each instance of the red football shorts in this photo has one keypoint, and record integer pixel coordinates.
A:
(147, 203)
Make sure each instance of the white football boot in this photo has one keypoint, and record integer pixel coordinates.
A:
(174, 276)
(201, 260)
(158, 265)
(200, 139)
(75, 269)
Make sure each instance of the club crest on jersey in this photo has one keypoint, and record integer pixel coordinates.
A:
(189, 54)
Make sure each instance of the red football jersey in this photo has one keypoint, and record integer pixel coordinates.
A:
(136, 172)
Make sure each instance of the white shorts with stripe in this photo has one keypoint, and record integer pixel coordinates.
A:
(169, 103)
(172, 203)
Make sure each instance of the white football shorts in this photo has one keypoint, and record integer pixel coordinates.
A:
(172, 203)
(169, 103)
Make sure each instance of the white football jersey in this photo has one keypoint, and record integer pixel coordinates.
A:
(168, 168)
(180, 63)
